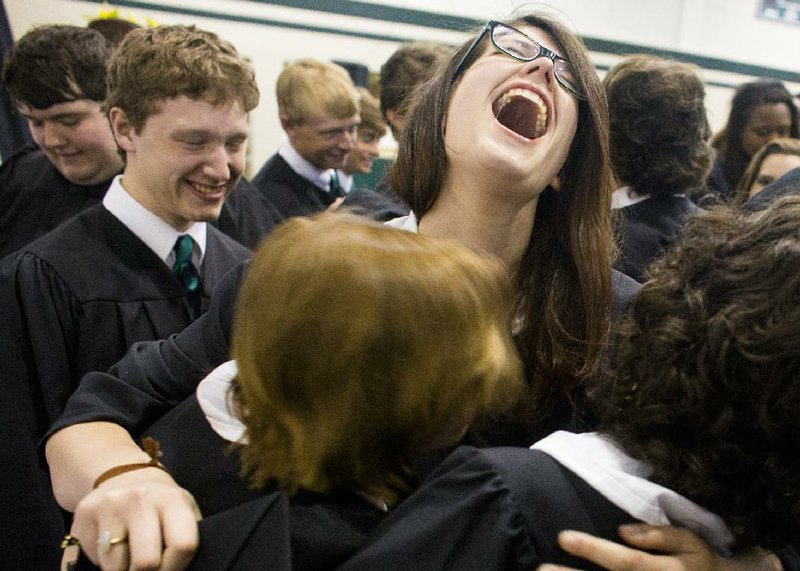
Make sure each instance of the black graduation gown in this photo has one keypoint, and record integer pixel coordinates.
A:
(36, 198)
(247, 215)
(489, 509)
(290, 193)
(648, 228)
(74, 301)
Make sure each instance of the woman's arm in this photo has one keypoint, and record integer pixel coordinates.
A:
(145, 506)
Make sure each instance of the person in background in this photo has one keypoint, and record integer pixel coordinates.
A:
(770, 163)
(367, 145)
(319, 111)
(659, 151)
(707, 441)
(139, 266)
(407, 68)
(56, 76)
(113, 29)
(760, 112)
(366, 201)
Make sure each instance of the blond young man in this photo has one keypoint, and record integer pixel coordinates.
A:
(319, 111)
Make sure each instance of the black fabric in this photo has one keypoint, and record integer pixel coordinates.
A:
(74, 301)
(36, 198)
(290, 193)
(188, 442)
(719, 181)
(374, 205)
(489, 509)
(786, 185)
(247, 215)
(647, 229)
(308, 532)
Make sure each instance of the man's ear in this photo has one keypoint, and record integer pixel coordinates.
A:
(122, 128)
(287, 123)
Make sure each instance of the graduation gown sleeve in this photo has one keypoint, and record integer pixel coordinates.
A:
(155, 376)
(490, 509)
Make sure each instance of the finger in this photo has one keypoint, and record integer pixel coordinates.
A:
(181, 537)
(84, 529)
(144, 535)
(665, 538)
(111, 542)
(607, 554)
(551, 567)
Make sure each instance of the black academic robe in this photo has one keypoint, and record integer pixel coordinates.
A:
(36, 198)
(290, 193)
(645, 230)
(489, 509)
(74, 301)
(247, 215)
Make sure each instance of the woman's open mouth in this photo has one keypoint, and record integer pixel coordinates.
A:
(522, 111)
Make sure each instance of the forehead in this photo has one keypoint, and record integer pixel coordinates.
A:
(326, 122)
(181, 113)
(771, 113)
(537, 34)
(779, 162)
(79, 106)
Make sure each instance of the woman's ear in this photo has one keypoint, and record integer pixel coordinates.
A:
(122, 129)
(555, 184)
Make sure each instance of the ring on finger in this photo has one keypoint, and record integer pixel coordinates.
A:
(105, 542)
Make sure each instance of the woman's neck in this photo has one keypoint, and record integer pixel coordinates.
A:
(482, 221)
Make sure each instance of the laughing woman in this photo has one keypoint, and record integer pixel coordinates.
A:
(507, 151)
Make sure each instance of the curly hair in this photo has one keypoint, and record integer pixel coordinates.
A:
(155, 64)
(659, 128)
(705, 385)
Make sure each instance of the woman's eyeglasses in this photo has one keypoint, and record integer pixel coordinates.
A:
(522, 47)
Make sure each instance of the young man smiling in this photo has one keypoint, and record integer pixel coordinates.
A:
(56, 75)
(318, 107)
(140, 266)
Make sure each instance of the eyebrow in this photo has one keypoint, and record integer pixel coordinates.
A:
(206, 134)
(57, 116)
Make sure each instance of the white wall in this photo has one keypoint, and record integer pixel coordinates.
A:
(725, 29)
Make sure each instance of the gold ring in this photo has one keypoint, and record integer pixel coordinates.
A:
(105, 542)
(69, 540)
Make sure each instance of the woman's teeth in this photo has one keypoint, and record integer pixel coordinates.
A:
(523, 111)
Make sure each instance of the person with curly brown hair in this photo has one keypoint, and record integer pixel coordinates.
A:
(698, 425)
(659, 151)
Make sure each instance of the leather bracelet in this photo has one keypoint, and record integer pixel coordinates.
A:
(149, 445)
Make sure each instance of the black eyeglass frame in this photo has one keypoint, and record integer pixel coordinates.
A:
(543, 51)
